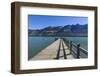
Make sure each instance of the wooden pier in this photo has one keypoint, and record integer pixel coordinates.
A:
(61, 49)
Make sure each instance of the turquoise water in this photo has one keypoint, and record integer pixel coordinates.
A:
(36, 44)
(83, 41)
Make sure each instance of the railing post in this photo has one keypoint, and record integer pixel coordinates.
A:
(70, 45)
(78, 51)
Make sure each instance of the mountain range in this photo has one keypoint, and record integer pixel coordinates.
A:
(67, 30)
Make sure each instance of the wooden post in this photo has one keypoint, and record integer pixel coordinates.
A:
(78, 51)
(70, 45)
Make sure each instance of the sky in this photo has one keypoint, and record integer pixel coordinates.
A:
(42, 21)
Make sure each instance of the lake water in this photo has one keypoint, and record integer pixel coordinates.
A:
(83, 41)
(36, 44)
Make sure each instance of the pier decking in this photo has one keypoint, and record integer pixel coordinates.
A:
(57, 50)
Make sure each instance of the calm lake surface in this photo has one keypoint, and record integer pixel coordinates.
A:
(83, 41)
(36, 44)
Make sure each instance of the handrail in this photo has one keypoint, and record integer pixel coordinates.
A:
(83, 50)
(77, 46)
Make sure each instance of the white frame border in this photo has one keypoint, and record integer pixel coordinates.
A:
(25, 64)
